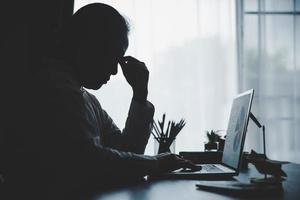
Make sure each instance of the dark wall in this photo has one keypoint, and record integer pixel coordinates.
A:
(27, 33)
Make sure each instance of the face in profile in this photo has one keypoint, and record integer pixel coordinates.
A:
(99, 61)
(95, 39)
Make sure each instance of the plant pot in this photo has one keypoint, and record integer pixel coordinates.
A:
(221, 144)
(211, 146)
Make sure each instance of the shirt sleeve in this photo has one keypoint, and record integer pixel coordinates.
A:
(135, 135)
(61, 142)
(68, 148)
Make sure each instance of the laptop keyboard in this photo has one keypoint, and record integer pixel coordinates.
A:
(211, 168)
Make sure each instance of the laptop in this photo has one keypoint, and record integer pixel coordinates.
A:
(234, 144)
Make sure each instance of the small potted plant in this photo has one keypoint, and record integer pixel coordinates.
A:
(213, 140)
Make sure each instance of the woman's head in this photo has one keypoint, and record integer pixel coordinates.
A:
(94, 40)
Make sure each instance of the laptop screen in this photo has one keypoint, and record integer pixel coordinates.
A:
(236, 130)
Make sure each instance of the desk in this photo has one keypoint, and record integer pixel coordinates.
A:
(186, 189)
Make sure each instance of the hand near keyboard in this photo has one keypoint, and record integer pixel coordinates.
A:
(167, 162)
(198, 168)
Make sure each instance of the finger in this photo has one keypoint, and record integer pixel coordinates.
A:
(179, 157)
(184, 161)
(189, 164)
(137, 65)
(121, 61)
(127, 59)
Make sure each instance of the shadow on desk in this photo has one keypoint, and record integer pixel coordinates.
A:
(172, 189)
(43, 190)
(186, 189)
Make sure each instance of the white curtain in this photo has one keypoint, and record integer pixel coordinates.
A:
(189, 47)
(271, 65)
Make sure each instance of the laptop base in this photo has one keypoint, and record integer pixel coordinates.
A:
(194, 176)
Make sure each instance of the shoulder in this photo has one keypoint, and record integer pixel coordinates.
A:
(91, 98)
(54, 83)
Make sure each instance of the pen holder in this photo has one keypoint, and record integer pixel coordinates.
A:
(165, 137)
(162, 147)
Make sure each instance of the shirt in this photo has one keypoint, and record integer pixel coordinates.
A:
(74, 135)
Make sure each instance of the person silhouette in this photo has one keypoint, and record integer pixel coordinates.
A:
(74, 138)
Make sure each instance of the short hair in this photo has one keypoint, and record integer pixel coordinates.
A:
(94, 20)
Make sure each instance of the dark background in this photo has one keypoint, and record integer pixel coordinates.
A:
(28, 30)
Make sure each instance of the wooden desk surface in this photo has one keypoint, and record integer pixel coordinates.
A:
(186, 189)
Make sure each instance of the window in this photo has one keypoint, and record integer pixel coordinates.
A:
(190, 49)
(269, 62)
